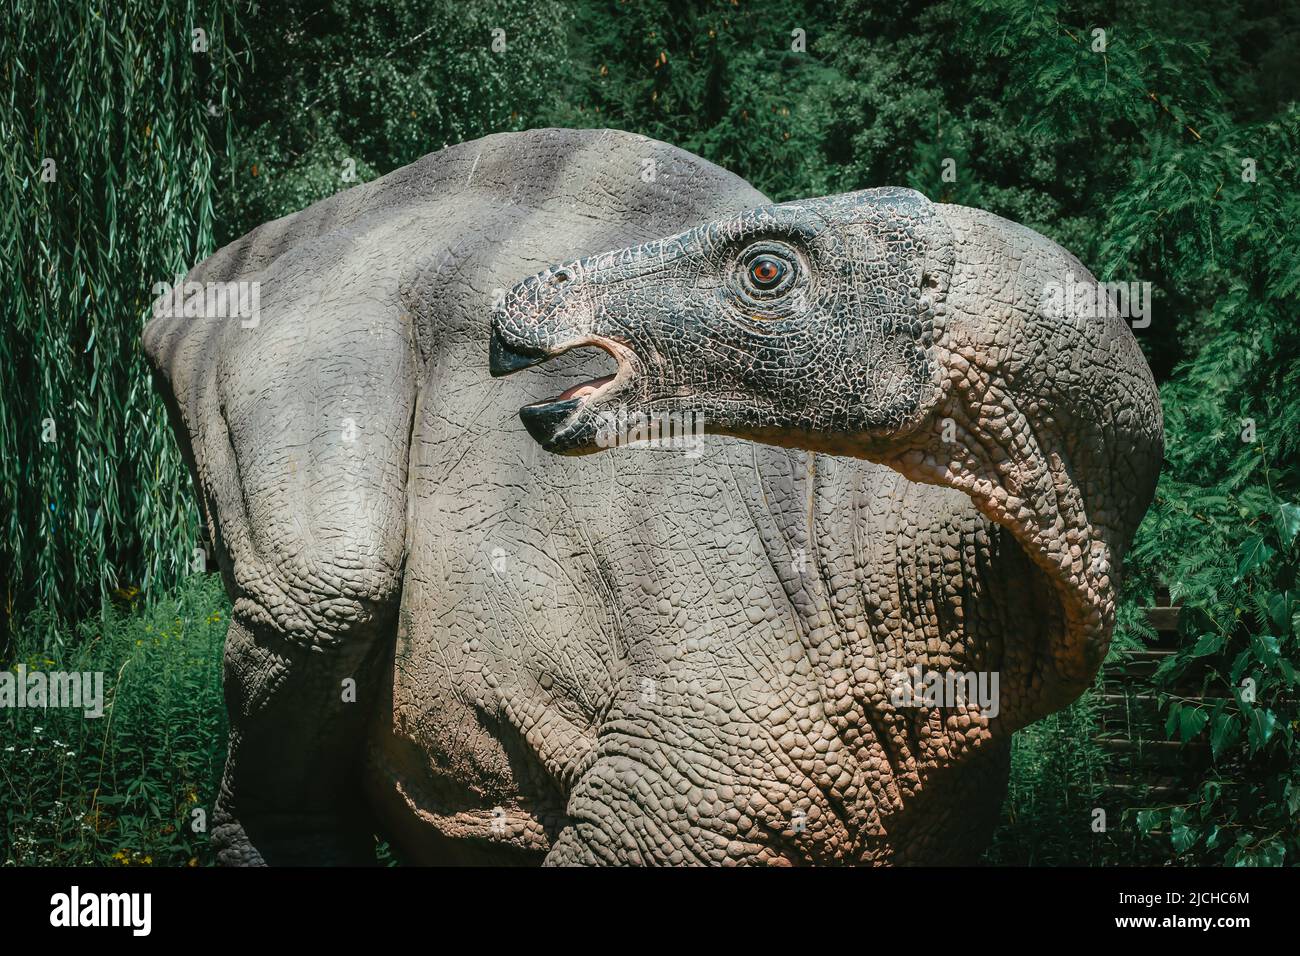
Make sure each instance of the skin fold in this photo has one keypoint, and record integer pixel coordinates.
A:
(494, 654)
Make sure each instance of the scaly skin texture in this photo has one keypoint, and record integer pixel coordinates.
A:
(922, 338)
(638, 656)
(370, 300)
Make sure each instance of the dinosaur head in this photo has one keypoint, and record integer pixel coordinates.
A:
(798, 324)
(932, 339)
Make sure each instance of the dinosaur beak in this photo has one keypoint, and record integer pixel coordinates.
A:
(539, 322)
(505, 357)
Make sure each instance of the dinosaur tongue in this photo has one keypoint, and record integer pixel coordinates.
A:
(586, 388)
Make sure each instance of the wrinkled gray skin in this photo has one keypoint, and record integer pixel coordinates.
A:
(927, 340)
(613, 658)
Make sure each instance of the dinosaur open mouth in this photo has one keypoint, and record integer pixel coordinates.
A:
(557, 423)
(586, 389)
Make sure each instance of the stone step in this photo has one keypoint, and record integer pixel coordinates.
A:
(1163, 619)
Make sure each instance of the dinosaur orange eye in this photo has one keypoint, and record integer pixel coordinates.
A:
(766, 271)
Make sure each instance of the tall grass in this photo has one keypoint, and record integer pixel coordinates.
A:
(1056, 777)
(122, 788)
(110, 124)
(1061, 777)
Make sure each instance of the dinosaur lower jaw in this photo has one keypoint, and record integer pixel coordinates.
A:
(551, 421)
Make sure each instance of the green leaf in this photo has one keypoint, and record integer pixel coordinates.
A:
(1260, 728)
(1208, 644)
(1191, 721)
(1266, 647)
(1254, 552)
(1169, 667)
(1287, 518)
(1239, 665)
(1224, 729)
(1279, 604)
(1148, 820)
(1173, 721)
(1183, 837)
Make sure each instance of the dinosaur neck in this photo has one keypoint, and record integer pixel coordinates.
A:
(1032, 487)
(1033, 490)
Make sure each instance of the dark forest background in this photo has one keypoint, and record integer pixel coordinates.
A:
(1155, 140)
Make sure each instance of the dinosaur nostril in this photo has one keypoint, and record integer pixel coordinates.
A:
(560, 276)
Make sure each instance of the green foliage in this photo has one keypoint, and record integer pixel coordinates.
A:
(1183, 212)
(1056, 777)
(120, 789)
(110, 100)
(720, 79)
(376, 84)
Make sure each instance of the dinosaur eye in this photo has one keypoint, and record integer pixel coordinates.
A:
(766, 271)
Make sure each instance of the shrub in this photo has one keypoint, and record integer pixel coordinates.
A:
(120, 789)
